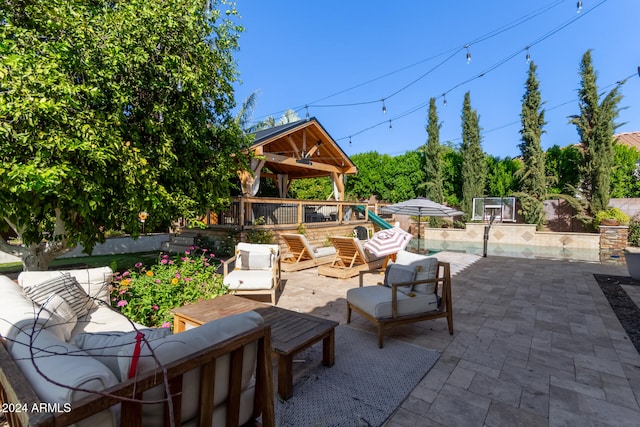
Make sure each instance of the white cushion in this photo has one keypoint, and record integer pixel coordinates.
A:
(104, 319)
(396, 273)
(63, 318)
(176, 346)
(426, 268)
(104, 346)
(376, 301)
(255, 260)
(249, 280)
(64, 364)
(94, 281)
(272, 250)
(63, 285)
(325, 251)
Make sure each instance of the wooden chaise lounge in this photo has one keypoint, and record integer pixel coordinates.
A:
(301, 255)
(350, 259)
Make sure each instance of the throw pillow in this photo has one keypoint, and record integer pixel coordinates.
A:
(63, 318)
(255, 260)
(104, 346)
(396, 273)
(66, 287)
(427, 269)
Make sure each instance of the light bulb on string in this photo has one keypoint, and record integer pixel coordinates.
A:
(579, 6)
(306, 107)
(444, 100)
(384, 107)
(349, 141)
(390, 125)
(528, 56)
(468, 54)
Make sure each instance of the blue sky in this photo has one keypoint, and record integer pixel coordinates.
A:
(341, 58)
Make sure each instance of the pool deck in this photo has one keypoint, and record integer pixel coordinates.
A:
(535, 344)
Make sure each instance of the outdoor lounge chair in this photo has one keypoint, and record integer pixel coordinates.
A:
(415, 288)
(301, 255)
(350, 259)
(256, 271)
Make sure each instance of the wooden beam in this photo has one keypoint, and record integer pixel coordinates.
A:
(294, 147)
(290, 161)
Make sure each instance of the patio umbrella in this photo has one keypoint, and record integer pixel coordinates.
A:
(421, 206)
(387, 242)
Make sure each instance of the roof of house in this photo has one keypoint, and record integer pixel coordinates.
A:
(301, 149)
(630, 139)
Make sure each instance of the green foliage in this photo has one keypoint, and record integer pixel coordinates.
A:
(534, 179)
(452, 175)
(432, 162)
(146, 295)
(301, 229)
(311, 189)
(531, 209)
(260, 235)
(473, 164)
(563, 169)
(107, 111)
(611, 213)
(502, 175)
(633, 238)
(625, 181)
(596, 125)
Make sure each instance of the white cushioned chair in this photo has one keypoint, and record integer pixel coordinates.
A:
(415, 288)
(256, 271)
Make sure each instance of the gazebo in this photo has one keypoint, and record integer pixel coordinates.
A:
(297, 150)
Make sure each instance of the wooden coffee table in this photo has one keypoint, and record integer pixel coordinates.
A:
(291, 332)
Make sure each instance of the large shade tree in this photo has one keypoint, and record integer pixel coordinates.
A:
(109, 109)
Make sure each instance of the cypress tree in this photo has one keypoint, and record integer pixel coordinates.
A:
(433, 156)
(474, 169)
(596, 126)
(534, 174)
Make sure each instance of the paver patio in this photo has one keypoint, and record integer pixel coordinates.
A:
(536, 344)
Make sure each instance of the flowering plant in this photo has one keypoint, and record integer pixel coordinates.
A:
(146, 295)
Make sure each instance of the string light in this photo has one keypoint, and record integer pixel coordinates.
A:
(390, 125)
(349, 141)
(384, 107)
(306, 107)
(444, 100)
(528, 55)
(468, 53)
(579, 6)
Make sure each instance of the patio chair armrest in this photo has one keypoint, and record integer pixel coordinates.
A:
(225, 265)
(363, 272)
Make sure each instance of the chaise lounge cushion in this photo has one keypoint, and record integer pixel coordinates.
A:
(68, 370)
(63, 285)
(173, 347)
(376, 301)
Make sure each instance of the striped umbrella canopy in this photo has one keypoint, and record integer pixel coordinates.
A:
(421, 206)
(387, 242)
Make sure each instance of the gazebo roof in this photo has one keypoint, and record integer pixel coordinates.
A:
(302, 149)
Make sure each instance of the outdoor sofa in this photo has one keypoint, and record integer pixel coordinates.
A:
(67, 358)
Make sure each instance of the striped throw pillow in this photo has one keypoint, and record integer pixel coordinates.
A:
(65, 286)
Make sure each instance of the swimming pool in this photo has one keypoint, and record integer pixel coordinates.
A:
(510, 250)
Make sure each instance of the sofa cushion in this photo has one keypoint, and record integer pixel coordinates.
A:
(396, 273)
(426, 268)
(19, 312)
(63, 318)
(249, 280)
(174, 347)
(94, 281)
(271, 250)
(66, 287)
(255, 260)
(104, 346)
(376, 301)
(104, 319)
(71, 374)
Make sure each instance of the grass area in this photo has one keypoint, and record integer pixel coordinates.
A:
(118, 261)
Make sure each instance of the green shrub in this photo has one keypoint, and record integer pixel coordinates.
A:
(146, 295)
(633, 238)
(260, 235)
(611, 213)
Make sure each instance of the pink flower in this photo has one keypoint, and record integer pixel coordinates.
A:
(138, 264)
(171, 262)
(205, 250)
(122, 291)
(178, 275)
(122, 303)
(212, 255)
(206, 264)
(188, 279)
(125, 274)
(155, 307)
(187, 252)
(158, 281)
(166, 325)
(163, 261)
(165, 256)
(192, 247)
